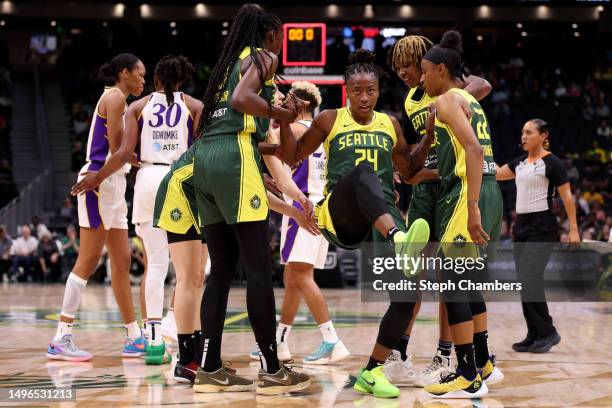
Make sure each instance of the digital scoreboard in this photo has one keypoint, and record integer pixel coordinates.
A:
(304, 44)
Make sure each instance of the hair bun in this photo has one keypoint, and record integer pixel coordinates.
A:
(362, 56)
(452, 39)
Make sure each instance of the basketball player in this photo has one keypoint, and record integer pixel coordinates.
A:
(232, 200)
(362, 146)
(176, 212)
(405, 60)
(103, 213)
(467, 181)
(301, 251)
(162, 126)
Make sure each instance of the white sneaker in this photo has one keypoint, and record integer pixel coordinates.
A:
(437, 368)
(168, 327)
(282, 352)
(398, 371)
(327, 353)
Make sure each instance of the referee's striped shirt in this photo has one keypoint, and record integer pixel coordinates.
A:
(536, 182)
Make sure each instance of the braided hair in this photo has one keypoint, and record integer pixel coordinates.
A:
(248, 29)
(172, 72)
(407, 51)
(363, 62)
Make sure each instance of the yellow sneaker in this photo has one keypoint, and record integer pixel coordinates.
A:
(455, 385)
(490, 373)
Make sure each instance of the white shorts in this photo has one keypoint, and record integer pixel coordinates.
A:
(105, 205)
(298, 245)
(148, 179)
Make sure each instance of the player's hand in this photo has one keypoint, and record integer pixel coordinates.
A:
(573, 239)
(271, 185)
(307, 206)
(308, 223)
(478, 235)
(134, 160)
(87, 183)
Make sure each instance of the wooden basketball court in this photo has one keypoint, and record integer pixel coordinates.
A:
(576, 373)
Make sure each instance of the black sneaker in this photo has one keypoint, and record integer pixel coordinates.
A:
(543, 344)
(185, 373)
(523, 345)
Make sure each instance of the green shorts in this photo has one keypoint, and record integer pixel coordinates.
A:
(176, 209)
(326, 225)
(452, 213)
(423, 203)
(228, 181)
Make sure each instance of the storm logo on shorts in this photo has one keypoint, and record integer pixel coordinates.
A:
(175, 215)
(459, 241)
(255, 202)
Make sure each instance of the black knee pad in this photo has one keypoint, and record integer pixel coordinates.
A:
(458, 312)
(394, 323)
(478, 307)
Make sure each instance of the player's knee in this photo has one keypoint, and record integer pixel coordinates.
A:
(458, 313)
(290, 280)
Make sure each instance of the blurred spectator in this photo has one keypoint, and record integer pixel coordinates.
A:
(593, 196)
(572, 172)
(78, 157)
(5, 252)
(602, 110)
(49, 258)
(67, 213)
(69, 250)
(24, 254)
(38, 227)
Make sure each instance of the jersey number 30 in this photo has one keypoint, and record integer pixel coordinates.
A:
(160, 118)
(368, 155)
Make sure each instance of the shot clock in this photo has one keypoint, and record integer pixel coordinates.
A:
(304, 44)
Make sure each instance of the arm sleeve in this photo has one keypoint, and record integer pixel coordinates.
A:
(515, 162)
(555, 170)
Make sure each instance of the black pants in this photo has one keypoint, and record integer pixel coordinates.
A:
(357, 201)
(534, 237)
(226, 243)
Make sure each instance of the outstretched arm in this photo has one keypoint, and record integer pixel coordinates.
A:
(503, 172)
(478, 87)
(245, 97)
(293, 149)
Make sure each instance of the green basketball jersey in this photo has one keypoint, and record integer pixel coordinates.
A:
(416, 107)
(350, 143)
(227, 121)
(451, 154)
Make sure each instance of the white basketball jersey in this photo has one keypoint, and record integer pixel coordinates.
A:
(165, 131)
(309, 175)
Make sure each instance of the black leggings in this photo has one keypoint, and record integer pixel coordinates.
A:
(226, 242)
(357, 201)
(534, 238)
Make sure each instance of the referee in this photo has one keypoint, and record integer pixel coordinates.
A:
(537, 175)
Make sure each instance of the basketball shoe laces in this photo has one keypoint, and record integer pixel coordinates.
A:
(435, 364)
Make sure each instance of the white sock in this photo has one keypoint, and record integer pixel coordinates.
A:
(282, 333)
(133, 331)
(72, 295)
(170, 314)
(328, 332)
(63, 329)
(154, 332)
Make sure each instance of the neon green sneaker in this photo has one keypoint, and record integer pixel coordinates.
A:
(410, 244)
(157, 355)
(374, 382)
